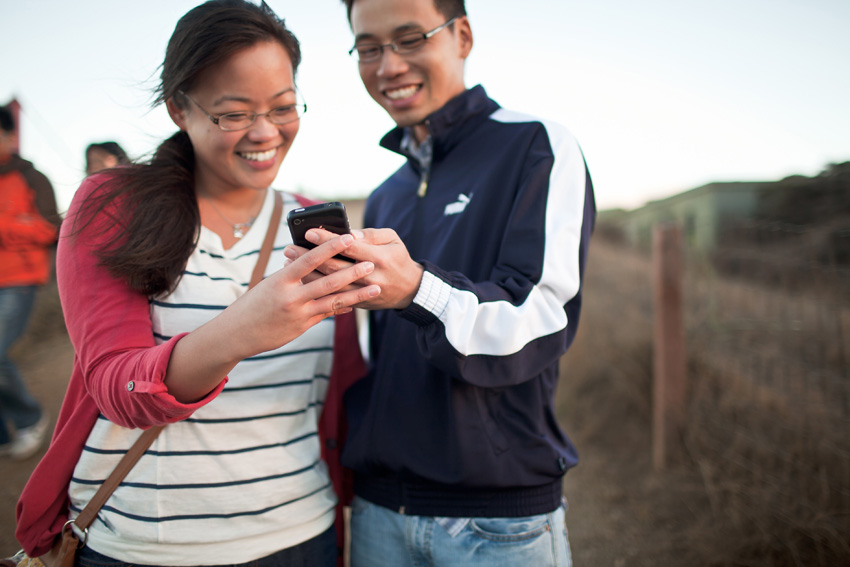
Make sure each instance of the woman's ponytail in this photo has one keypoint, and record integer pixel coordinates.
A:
(156, 202)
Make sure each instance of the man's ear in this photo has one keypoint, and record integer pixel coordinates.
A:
(464, 34)
(176, 112)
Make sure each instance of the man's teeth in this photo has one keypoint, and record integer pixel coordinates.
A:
(258, 156)
(402, 93)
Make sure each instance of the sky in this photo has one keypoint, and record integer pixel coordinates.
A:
(663, 95)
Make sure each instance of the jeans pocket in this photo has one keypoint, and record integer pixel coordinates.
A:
(510, 529)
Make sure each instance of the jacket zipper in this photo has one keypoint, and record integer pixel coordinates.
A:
(423, 184)
(426, 172)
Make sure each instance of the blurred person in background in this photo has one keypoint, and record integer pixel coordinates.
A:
(28, 229)
(103, 155)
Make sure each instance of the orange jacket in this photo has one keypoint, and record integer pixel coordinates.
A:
(25, 236)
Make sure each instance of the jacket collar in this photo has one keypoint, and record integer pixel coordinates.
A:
(449, 124)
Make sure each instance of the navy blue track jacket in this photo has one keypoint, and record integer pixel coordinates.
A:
(456, 417)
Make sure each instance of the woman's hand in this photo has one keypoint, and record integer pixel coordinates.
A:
(279, 309)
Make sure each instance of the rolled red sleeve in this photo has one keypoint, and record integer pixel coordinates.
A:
(110, 327)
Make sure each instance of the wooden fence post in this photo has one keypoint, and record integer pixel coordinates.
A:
(669, 360)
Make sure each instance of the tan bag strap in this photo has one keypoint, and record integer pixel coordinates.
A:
(268, 243)
(127, 462)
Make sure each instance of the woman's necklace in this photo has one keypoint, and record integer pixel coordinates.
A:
(239, 228)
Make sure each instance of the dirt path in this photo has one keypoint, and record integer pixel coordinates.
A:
(46, 366)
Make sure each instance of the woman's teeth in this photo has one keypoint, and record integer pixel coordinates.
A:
(259, 156)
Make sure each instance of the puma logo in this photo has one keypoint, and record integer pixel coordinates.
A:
(458, 206)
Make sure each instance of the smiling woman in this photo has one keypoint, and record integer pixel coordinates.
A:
(238, 145)
(173, 324)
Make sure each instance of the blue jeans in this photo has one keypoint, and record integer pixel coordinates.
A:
(321, 551)
(381, 537)
(16, 403)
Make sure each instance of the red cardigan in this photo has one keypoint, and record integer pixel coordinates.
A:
(122, 315)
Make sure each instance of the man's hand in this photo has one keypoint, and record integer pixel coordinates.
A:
(395, 272)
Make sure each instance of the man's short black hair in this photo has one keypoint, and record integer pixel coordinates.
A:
(7, 119)
(449, 8)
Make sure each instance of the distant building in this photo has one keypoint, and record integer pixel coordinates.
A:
(702, 213)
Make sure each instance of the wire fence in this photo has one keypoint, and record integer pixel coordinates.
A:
(763, 477)
(785, 336)
(768, 334)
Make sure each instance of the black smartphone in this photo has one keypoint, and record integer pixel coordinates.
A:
(329, 216)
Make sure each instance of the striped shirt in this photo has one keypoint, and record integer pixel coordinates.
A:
(241, 478)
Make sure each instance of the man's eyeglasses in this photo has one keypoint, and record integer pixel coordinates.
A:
(403, 44)
(232, 121)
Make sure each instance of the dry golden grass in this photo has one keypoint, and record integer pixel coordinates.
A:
(764, 477)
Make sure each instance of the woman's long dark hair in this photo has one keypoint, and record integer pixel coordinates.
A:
(155, 202)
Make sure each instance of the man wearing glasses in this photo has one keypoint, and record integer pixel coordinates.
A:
(457, 456)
